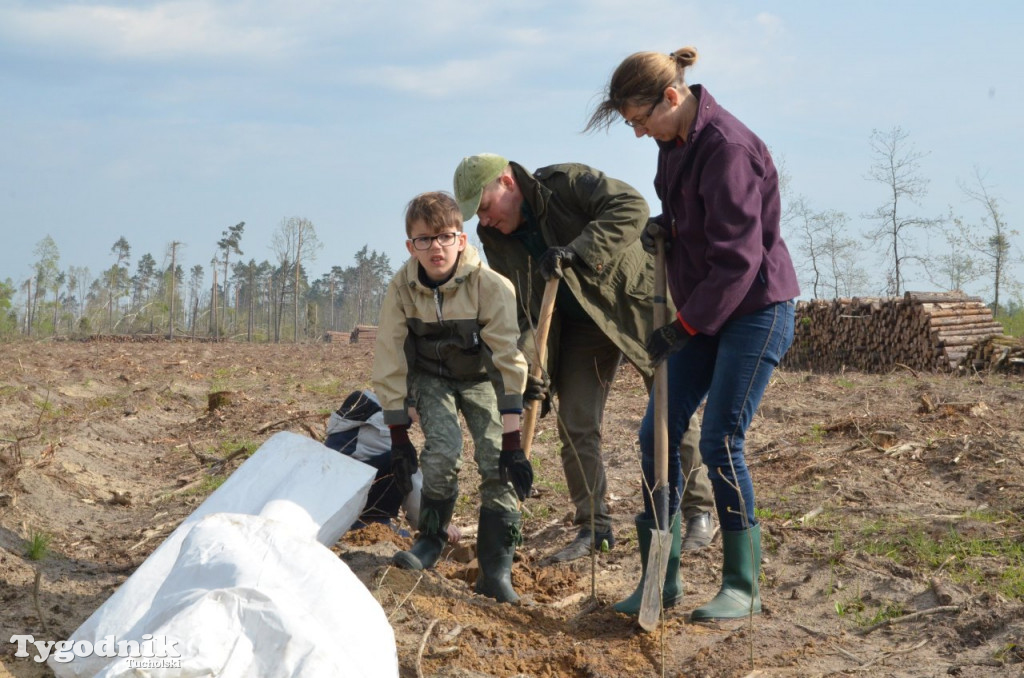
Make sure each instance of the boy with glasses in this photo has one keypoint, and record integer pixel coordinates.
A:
(448, 343)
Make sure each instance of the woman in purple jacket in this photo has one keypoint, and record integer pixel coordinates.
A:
(732, 280)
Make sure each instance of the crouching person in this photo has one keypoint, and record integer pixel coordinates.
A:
(447, 343)
(357, 429)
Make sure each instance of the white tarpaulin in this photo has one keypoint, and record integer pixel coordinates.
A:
(250, 594)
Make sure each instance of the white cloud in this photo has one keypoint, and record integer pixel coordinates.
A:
(436, 81)
(189, 28)
(772, 24)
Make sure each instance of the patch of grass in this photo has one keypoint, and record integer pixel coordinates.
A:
(856, 609)
(556, 484)
(104, 402)
(844, 383)
(37, 547)
(765, 513)
(333, 388)
(816, 434)
(992, 563)
(890, 610)
(838, 549)
(221, 377)
(849, 607)
(232, 445)
(541, 512)
(465, 503)
(1010, 652)
(985, 516)
(546, 436)
(209, 484)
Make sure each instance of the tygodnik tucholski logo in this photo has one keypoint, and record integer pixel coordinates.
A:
(151, 652)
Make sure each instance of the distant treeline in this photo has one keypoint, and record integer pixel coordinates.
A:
(232, 298)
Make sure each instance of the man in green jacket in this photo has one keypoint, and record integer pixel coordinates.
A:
(574, 222)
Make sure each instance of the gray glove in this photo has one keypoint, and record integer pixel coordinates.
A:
(652, 231)
(537, 388)
(554, 260)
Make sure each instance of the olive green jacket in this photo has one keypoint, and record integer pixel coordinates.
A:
(464, 330)
(601, 219)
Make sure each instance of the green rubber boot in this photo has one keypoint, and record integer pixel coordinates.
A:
(496, 541)
(434, 518)
(741, 568)
(672, 594)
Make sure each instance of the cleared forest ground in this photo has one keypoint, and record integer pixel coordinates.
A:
(881, 496)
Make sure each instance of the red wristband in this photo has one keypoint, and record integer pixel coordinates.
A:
(686, 326)
(399, 435)
(512, 440)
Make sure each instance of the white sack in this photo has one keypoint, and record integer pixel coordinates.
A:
(250, 596)
(329, 487)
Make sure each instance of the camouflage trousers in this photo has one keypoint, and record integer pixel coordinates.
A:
(439, 402)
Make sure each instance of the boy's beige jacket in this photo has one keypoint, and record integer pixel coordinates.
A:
(465, 330)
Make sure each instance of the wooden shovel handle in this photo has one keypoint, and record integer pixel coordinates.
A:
(547, 309)
(661, 538)
(660, 373)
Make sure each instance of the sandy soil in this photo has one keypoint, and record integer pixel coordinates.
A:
(880, 496)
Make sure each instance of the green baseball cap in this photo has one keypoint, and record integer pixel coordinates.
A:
(471, 176)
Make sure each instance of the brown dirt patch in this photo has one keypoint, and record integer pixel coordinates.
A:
(108, 446)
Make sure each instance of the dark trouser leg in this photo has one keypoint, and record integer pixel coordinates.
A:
(690, 489)
(696, 488)
(587, 362)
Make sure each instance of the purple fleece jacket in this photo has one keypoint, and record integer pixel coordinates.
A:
(719, 195)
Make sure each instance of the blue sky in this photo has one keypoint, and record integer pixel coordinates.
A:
(172, 121)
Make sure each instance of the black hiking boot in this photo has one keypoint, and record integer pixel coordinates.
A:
(581, 545)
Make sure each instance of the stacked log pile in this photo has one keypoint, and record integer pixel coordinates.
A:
(364, 334)
(922, 330)
(996, 354)
(332, 337)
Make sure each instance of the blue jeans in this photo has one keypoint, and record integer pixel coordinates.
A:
(732, 370)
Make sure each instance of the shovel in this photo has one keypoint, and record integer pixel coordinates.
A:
(547, 308)
(661, 537)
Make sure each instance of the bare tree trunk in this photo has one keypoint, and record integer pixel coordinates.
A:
(28, 309)
(214, 330)
(298, 261)
(170, 314)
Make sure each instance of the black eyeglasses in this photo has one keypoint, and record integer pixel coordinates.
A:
(632, 124)
(443, 239)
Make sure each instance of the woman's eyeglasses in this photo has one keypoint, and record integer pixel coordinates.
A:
(636, 123)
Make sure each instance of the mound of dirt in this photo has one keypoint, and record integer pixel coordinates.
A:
(890, 507)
